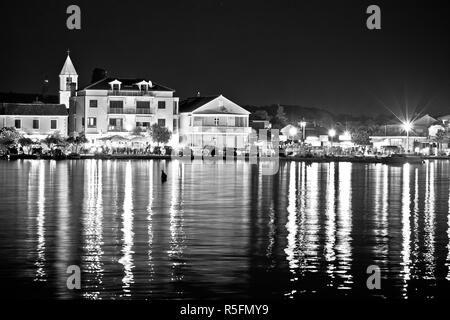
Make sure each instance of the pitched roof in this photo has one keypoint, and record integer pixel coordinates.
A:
(32, 109)
(68, 68)
(127, 84)
(190, 104)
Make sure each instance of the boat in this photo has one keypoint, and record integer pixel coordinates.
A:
(400, 158)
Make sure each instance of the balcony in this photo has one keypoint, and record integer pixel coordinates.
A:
(143, 111)
(121, 111)
(219, 129)
(116, 129)
(129, 111)
(132, 93)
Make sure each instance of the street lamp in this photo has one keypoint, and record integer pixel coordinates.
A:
(293, 132)
(303, 125)
(332, 133)
(407, 126)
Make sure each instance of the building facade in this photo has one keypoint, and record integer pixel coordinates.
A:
(35, 120)
(119, 106)
(213, 121)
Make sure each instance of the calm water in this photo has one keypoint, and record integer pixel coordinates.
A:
(223, 230)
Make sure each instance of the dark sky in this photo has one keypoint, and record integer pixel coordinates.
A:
(311, 53)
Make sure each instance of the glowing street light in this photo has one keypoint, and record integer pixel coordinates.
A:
(293, 131)
(407, 126)
(303, 125)
(332, 133)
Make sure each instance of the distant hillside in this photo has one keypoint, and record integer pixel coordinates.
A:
(16, 97)
(316, 116)
(294, 113)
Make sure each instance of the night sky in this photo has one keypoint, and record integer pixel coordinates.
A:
(309, 53)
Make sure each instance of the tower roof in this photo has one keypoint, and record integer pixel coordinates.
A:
(68, 68)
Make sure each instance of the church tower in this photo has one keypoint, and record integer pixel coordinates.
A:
(68, 81)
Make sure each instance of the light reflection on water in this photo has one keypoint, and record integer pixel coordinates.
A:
(224, 229)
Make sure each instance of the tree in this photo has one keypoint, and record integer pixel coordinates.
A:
(261, 115)
(8, 138)
(137, 131)
(360, 136)
(440, 135)
(26, 142)
(54, 140)
(280, 120)
(77, 141)
(159, 134)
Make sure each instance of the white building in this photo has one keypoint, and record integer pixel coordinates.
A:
(34, 120)
(213, 121)
(68, 82)
(116, 106)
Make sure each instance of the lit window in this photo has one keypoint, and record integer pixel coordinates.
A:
(92, 122)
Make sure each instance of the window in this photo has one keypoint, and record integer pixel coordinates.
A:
(116, 123)
(35, 124)
(216, 121)
(93, 103)
(161, 104)
(175, 122)
(143, 87)
(68, 83)
(143, 104)
(92, 122)
(143, 124)
(116, 104)
(17, 124)
(116, 87)
(82, 121)
(162, 122)
(175, 107)
(53, 124)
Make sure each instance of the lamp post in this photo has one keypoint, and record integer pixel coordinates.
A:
(407, 126)
(332, 133)
(292, 132)
(303, 125)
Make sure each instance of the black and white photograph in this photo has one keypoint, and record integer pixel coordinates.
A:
(225, 158)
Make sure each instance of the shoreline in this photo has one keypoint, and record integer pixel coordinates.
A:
(352, 159)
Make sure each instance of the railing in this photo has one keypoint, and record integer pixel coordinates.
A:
(116, 128)
(129, 111)
(133, 93)
(143, 111)
(121, 111)
(221, 129)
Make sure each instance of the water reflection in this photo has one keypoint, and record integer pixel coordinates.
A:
(330, 223)
(227, 229)
(406, 229)
(429, 227)
(41, 244)
(344, 226)
(93, 228)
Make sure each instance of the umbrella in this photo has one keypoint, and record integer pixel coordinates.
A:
(140, 139)
(115, 138)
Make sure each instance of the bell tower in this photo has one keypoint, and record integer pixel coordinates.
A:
(68, 81)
